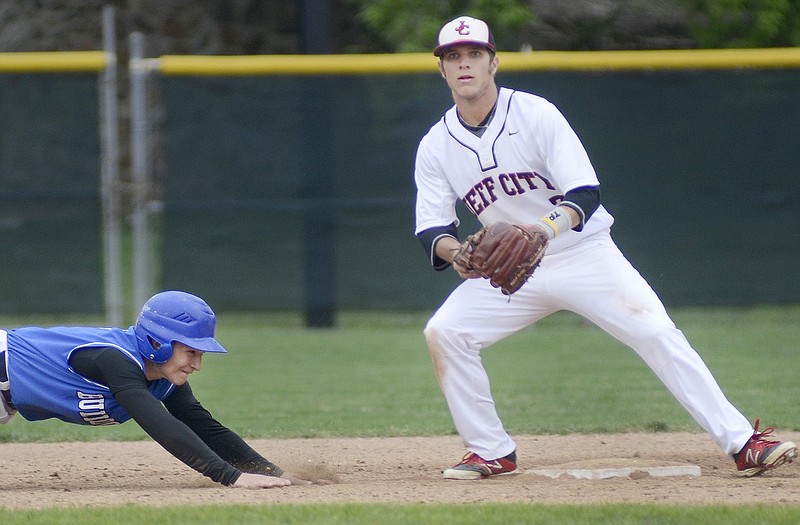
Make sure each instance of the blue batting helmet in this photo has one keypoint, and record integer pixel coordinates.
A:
(175, 316)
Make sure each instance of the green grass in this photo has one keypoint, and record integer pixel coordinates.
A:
(371, 376)
(386, 514)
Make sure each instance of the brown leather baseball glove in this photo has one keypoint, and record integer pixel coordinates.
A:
(506, 254)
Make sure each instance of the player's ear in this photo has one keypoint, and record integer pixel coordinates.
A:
(441, 69)
(494, 64)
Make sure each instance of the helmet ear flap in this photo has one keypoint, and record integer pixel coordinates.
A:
(161, 352)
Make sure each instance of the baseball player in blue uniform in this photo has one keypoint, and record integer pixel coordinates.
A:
(512, 156)
(106, 376)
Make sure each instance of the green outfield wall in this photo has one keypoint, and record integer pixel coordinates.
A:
(287, 182)
(288, 186)
(50, 212)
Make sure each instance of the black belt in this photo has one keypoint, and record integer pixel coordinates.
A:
(4, 379)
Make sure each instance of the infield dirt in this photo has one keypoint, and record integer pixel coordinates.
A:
(390, 470)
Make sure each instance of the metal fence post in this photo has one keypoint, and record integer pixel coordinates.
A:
(142, 286)
(109, 176)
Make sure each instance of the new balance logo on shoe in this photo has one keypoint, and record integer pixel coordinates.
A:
(752, 455)
(761, 454)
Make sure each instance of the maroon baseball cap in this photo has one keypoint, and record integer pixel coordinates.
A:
(464, 30)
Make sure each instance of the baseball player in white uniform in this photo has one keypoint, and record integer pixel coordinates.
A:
(512, 156)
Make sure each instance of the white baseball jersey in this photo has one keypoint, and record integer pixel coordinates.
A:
(527, 159)
(521, 167)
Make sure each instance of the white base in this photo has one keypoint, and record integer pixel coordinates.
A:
(616, 468)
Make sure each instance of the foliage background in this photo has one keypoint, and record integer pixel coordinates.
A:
(380, 26)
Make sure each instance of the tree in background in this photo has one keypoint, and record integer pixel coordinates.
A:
(413, 25)
(744, 23)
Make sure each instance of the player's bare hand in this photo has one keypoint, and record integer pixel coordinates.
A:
(294, 480)
(259, 481)
(297, 480)
(465, 273)
(462, 257)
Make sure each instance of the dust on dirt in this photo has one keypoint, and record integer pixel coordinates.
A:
(390, 470)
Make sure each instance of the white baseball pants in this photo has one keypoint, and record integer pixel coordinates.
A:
(592, 279)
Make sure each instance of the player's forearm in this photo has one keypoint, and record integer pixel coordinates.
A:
(176, 438)
(447, 247)
(182, 443)
(223, 441)
(233, 449)
(559, 220)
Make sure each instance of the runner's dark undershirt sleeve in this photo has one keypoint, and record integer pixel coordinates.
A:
(129, 386)
(226, 443)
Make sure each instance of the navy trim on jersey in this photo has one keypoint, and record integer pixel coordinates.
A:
(585, 201)
(430, 237)
(499, 134)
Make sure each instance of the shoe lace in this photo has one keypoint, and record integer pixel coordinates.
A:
(470, 457)
(760, 436)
